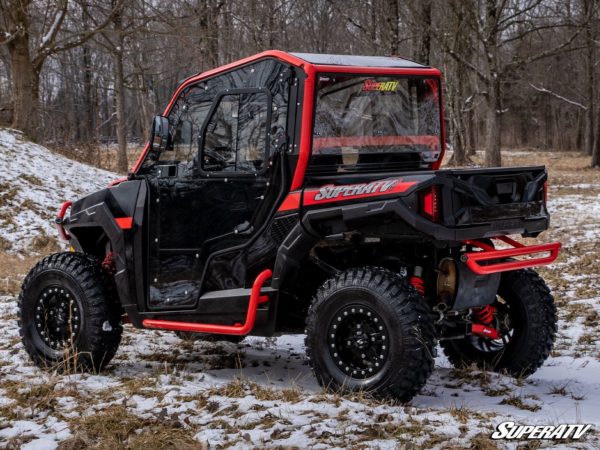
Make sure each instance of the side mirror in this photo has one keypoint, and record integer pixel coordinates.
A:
(160, 138)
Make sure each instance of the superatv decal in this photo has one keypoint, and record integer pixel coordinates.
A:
(332, 193)
(372, 85)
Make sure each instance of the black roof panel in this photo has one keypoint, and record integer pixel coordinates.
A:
(357, 60)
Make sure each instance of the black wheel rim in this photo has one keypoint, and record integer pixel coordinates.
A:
(57, 318)
(358, 341)
(504, 323)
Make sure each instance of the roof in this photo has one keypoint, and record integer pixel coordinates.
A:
(321, 59)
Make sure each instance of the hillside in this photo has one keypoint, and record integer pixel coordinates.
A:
(34, 182)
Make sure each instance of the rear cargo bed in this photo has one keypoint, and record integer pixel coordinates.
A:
(462, 203)
(501, 198)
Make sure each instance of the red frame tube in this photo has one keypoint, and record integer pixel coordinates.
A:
(59, 219)
(237, 329)
(473, 259)
(308, 98)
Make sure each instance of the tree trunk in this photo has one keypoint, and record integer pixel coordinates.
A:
(25, 87)
(87, 124)
(596, 151)
(392, 19)
(589, 62)
(122, 164)
(493, 157)
(423, 52)
(471, 135)
(456, 92)
(146, 105)
(208, 25)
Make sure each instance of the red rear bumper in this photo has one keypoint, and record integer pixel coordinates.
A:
(503, 258)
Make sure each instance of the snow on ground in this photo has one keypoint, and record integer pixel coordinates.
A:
(162, 392)
(34, 182)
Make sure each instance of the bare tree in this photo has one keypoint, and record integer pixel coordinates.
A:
(32, 37)
(497, 25)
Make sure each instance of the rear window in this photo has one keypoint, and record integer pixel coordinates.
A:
(366, 124)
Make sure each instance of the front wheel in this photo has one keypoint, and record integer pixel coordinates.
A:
(69, 318)
(525, 316)
(367, 329)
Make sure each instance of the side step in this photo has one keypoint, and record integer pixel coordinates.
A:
(258, 295)
(235, 294)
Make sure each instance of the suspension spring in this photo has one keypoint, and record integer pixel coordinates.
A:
(418, 284)
(484, 315)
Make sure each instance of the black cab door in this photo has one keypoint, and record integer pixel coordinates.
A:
(209, 192)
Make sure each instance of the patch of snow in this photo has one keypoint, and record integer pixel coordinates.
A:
(34, 182)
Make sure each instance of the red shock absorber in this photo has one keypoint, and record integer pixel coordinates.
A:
(484, 315)
(417, 281)
(108, 264)
(418, 284)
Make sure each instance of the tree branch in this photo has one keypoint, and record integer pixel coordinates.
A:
(543, 90)
(76, 39)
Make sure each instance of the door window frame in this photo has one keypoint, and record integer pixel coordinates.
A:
(211, 113)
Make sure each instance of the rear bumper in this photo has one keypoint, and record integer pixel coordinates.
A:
(495, 261)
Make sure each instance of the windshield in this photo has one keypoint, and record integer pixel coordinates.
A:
(373, 123)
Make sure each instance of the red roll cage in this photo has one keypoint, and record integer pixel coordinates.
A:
(311, 70)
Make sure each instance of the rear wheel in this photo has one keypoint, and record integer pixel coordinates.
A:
(367, 329)
(69, 318)
(525, 316)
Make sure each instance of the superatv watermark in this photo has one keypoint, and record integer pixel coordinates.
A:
(510, 430)
(332, 191)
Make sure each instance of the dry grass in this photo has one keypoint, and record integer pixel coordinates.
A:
(103, 156)
(117, 427)
(13, 269)
(518, 402)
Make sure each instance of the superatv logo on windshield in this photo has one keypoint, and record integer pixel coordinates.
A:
(372, 85)
(350, 190)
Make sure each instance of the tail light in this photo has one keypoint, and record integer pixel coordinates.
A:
(546, 192)
(430, 204)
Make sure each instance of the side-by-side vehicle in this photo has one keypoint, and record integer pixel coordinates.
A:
(302, 193)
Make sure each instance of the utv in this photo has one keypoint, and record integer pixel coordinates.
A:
(292, 192)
